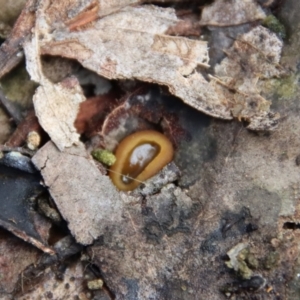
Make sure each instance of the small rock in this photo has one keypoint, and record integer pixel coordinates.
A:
(17, 160)
(33, 140)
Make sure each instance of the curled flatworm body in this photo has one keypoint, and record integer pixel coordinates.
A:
(140, 156)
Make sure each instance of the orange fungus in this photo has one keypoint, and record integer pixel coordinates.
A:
(140, 156)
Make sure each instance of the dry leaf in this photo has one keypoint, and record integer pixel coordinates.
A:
(232, 12)
(56, 105)
(87, 199)
(132, 43)
(254, 55)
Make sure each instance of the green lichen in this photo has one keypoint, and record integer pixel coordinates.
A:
(271, 260)
(285, 88)
(242, 262)
(274, 25)
(243, 269)
(104, 156)
(251, 260)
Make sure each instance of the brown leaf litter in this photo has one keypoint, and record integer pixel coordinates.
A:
(139, 48)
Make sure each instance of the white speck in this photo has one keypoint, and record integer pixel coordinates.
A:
(144, 98)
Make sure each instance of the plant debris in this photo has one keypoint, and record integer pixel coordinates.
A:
(230, 13)
(129, 52)
(17, 195)
(85, 197)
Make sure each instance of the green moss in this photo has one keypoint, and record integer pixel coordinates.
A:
(104, 156)
(274, 25)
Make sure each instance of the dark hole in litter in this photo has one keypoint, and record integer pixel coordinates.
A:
(56, 233)
(291, 225)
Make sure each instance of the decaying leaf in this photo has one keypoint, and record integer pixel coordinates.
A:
(85, 197)
(71, 284)
(56, 105)
(145, 108)
(11, 50)
(132, 43)
(137, 48)
(232, 12)
(17, 214)
(254, 55)
(16, 255)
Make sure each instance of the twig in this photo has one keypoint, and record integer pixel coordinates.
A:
(11, 50)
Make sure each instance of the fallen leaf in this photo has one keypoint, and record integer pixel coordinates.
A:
(92, 113)
(85, 197)
(137, 111)
(229, 13)
(253, 57)
(132, 43)
(56, 105)
(17, 214)
(139, 49)
(16, 256)
(50, 287)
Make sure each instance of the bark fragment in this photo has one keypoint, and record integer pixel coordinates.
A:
(87, 200)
